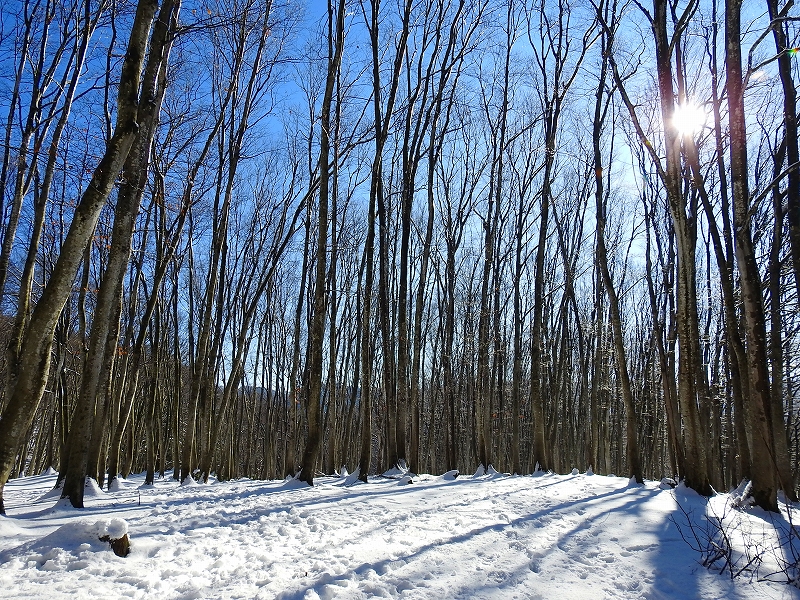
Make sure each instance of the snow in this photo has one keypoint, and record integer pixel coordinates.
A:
(115, 528)
(482, 536)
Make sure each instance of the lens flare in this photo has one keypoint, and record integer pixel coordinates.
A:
(689, 118)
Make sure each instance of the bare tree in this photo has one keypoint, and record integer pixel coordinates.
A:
(608, 15)
(105, 323)
(558, 59)
(317, 332)
(25, 389)
(764, 468)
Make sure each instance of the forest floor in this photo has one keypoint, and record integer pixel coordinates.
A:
(477, 536)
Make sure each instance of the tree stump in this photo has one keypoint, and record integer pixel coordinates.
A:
(120, 546)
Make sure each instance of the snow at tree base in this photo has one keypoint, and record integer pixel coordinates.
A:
(473, 536)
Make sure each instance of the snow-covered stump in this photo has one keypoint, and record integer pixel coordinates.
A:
(115, 533)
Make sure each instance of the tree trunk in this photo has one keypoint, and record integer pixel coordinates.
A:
(106, 322)
(317, 330)
(764, 467)
(25, 390)
(632, 428)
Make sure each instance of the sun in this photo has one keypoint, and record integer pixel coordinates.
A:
(689, 118)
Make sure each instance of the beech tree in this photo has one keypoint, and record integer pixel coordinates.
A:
(103, 340)
(336, 34)
(32, 361)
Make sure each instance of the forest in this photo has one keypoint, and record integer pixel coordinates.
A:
(260, 238)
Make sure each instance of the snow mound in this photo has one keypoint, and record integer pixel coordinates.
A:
(576, 472)
(352, 478)
(49, 471)
(450, 475)
(394, 473)
(118, 484)
(479, 472)
(292, 483)
(92, 490)
(742, 497)
(667, 483)
(75, 536)
(9, 528)
(70, 545)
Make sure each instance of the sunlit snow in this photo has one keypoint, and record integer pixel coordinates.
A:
(405, 536)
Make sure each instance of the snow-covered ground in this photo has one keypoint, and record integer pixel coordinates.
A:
(490, 536)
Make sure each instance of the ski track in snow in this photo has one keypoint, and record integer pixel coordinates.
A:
(541, 537)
